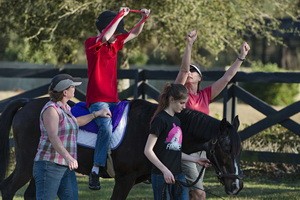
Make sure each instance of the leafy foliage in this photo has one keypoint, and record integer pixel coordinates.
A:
(274, 139)
(272, 93)
(54, 31)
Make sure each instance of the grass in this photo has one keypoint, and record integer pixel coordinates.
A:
(256, 187)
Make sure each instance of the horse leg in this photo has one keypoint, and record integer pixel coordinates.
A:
(11, 185)
(123, 186)
(30, 191)
(17, 179)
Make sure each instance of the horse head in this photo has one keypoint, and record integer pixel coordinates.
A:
(224, 152)
(221, 142)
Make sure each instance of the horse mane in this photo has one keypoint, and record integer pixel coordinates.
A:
(204, 128)
(201, 125)
(195, 125)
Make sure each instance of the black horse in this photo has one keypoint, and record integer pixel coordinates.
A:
(201, 132)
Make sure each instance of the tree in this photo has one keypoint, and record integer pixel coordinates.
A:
(54, 31)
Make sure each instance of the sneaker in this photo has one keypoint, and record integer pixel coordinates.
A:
(94, 183)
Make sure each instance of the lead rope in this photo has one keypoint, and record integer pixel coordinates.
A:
(193, 184)
(178, 186)
(167, 189)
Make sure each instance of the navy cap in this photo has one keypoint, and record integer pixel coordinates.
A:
(105, 18)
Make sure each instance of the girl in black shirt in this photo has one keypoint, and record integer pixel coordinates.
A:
(163, 147)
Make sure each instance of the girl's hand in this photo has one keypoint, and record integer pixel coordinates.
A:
(168, 176)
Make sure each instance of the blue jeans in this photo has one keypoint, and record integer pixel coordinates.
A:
(52, 180)
(104, 133)
(171, 191)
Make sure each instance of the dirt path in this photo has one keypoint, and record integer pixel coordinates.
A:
(7, 94)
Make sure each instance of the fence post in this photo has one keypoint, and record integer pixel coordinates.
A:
(136, 82)
(229, 102)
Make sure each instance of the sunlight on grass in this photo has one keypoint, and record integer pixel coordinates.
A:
(141, 191)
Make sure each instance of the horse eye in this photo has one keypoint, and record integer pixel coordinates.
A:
(225, 143)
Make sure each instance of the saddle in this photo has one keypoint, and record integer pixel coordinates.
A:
(87, 134)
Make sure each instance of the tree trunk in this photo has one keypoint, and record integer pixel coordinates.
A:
(290, 59)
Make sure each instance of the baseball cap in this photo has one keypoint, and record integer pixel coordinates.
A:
(61, 82)
(105, 18)
(194, 68)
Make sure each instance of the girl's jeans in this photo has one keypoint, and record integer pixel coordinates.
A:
(162, 190)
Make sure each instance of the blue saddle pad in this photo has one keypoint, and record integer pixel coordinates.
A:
(80, 109)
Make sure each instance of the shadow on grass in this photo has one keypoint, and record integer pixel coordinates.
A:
(258, 187)
(255, 187)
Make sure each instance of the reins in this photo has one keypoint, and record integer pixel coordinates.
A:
(179, 184)
(184, 184)
(193, 183)
(166, 188)
(220, 175)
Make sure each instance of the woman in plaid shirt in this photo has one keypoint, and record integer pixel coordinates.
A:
(56, 157)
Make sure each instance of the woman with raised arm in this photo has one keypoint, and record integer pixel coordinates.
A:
(199, 99)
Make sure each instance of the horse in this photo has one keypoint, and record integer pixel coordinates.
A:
(200, 132)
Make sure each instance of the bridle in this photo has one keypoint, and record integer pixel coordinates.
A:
(220, 174)
(213, 143)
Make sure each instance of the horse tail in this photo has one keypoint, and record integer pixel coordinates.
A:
(6, 119)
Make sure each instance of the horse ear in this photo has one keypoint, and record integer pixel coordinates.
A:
(223, 125)
(236, 122)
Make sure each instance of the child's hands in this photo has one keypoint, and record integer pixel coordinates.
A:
(103, 113)
(145, 12)
(125, 10)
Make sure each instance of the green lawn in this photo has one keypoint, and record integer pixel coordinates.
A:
(257, 187)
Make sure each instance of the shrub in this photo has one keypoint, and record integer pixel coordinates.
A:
(274, 139)
(138, 58)
(272, 93)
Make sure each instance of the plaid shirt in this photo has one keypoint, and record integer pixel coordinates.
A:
(67, 133)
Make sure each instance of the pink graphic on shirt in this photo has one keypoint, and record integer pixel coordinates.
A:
(174, 138)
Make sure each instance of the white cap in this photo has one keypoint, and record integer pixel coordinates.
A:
(61, 82)
(195, 68)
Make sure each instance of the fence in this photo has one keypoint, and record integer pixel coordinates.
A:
(140, 88)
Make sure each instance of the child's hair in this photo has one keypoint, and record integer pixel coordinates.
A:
(177, 91)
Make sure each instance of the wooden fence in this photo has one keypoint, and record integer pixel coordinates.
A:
(140, 88)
